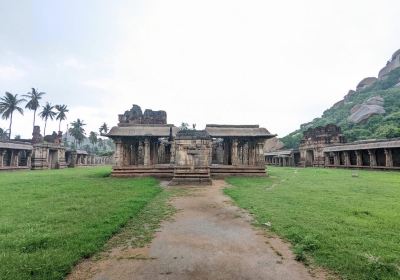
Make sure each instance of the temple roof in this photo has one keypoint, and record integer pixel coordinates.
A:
(217, 130)
(15, 145)
(143, 130)
(364, 145)
(281, 153)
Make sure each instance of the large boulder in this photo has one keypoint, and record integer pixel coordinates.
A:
(362, 112)
(273, 144)
(366, 82)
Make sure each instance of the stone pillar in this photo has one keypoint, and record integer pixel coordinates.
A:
(346, 158)
(372, 158)
(389, 158)
(260, 154)
(172, 151)
(234, 153)
(336, 160)
(147, 151)
(2, 158)
(29, 159)
(359, 158)
(117, 154)
(327, 162)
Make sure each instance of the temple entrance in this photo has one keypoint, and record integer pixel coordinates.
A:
(309, 158)
(53, 159)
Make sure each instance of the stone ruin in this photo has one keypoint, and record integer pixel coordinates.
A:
(192, 157)
(135, 116)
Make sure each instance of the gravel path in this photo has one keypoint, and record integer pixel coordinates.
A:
(208, 238)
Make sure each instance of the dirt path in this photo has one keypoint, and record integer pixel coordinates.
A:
(209, 238)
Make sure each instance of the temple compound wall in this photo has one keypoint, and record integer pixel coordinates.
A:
(327, 147)
(290, 157)
(147, 146)
(44, 153)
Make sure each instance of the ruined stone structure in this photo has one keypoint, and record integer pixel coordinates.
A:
(44, 153)
(193, 152)
(15, 155)
(161, 150)
(315, 140)
(289, 157)
(326, 147)
(371, 154)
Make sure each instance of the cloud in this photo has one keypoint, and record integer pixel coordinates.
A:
(72, 62)
(10, 72)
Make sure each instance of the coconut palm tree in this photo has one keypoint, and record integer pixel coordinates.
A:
(77, 131)
(33, 102)
(103, 127)
(62, 114)
(93, 138)
(8, 104)
(47, 113)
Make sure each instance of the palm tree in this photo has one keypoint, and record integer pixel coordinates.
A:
(62, 114)
(93, 138)
(77, 131)
(33, 104)
(47, 113)
(103, 127)
(8, 104)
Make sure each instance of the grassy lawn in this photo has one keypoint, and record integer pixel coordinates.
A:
(49, 220)
(350, 225)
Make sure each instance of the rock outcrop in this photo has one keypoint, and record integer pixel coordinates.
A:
(362, 112)
(366, 82)
(390, 65)
(273, 144)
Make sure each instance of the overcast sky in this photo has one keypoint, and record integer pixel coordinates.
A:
(273, 63)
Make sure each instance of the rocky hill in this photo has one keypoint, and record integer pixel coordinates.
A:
(371, 111)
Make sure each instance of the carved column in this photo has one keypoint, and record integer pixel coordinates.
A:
(146, 151)
(234, 153)
(336, 160)
(389, 158)
(327, 161)
(346, 158)
(1, 158)
(260, 154)
(372, 158)
(172, 159)
(118, 153)
(29, 159)
(359, 158)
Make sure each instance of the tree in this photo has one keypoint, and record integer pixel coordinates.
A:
(3, 134)
(77, 131)
(104, 128)
(8, 105)
(47, 113)
(62, 114)
(33, 102)
(93, 138)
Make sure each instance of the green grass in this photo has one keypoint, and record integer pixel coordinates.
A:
(49, 220)
(350, 225)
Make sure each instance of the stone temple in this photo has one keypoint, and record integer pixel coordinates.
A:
(146, 145)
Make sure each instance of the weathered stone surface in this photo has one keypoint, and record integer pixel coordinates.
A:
(135, 116)
(391, 65)
(349, 94)
(154, 117)
(366, 82)
(273, 144)
(362, 112)
(36, 136)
